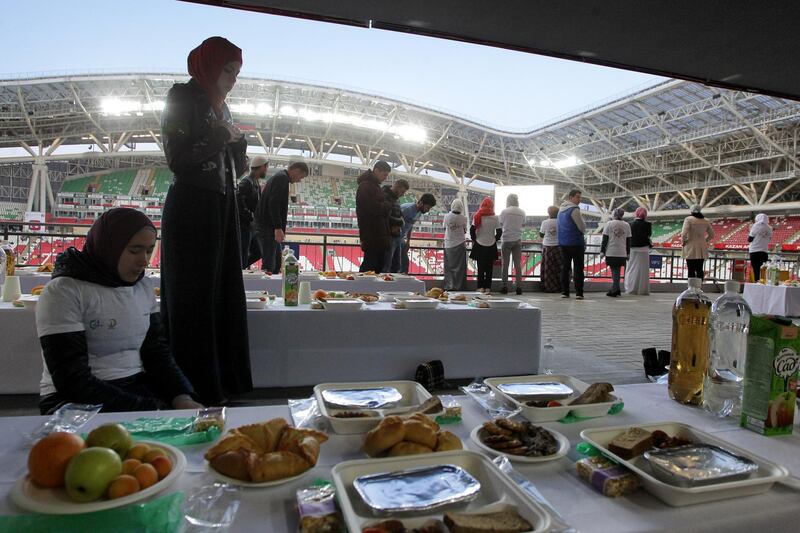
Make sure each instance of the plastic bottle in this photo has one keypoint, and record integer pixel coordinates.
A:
(728, 327)
(291, 279)
(547, 357)
(689, 344)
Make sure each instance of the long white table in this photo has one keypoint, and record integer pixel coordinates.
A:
(780, 300)
(272, 509)
(296, 346)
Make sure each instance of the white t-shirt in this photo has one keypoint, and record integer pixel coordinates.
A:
(485, 234)
(618, 231)
(761, 234)
(550, 229)
(115, 321)
(455, 229)
(512, 218)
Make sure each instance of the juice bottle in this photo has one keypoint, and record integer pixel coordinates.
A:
(10, 258)
(689, 357)
(291, 279)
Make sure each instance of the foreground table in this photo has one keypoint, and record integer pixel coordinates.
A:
(780, 300)
(274, 285)
(272, 509)
(295, 346)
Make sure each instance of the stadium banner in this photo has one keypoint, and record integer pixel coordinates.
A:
(656, 261)
(32, 217)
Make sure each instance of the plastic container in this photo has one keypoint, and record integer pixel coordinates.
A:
(760, 481)
(291, 279)
(728, 328)
(689, 344)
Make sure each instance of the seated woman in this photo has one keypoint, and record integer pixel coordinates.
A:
(99, 324)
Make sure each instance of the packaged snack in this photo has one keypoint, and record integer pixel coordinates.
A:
(317, 508)
(606, 476)
(770, 377)
(209, 417)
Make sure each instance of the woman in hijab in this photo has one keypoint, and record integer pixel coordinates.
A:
(616, 247)
(696, 236)
(485, 232)
(202, 292)
(637, 273)
(99, 324)
(455, 248)
(760, 235)
(551, 252)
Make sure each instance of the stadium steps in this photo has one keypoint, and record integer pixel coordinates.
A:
(143, 177)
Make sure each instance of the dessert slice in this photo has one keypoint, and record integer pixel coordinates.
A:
(631, 443)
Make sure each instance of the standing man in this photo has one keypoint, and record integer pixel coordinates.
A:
(272, 212)
(247, 195)
(372, 212)
(391, 262)
(411, 213)
(571, 230)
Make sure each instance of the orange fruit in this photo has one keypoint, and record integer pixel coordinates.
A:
(146, 474)
(137, 451)
(152, 454)
(49, 457)
(129, 465)
(162, 465)
(122, 486)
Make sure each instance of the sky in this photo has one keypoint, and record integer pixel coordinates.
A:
(508, 90)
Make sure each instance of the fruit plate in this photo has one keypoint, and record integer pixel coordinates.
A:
(56, 501)
(760, 481)
(250, 484)
(563, 447)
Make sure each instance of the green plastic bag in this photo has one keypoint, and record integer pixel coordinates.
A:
(162, 515)
(169, 430)
(571, 418)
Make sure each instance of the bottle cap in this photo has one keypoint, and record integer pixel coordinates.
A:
(695, 283)
(732, 286)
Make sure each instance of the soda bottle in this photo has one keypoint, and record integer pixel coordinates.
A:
(689, 344)
(7, 249)
(291, 279)
(728, 327)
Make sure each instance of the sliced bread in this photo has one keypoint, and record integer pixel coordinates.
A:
(508, 521)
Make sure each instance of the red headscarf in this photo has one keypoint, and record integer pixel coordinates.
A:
(486, 209)
(205, 65)
(105, 242)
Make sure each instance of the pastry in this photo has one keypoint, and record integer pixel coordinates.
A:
(446, 441)
(277, 465)
(609, 478)
(430, 406)
(528, 440)
(595, 393)
(408, 448)
(420, 433)
(235, 464)
(385, 435)
(493, 429)
(631, 443)
(265, 434)
(232, 442)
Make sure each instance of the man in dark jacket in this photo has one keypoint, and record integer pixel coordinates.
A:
(391, 263)
(272, 212)
(247, 195)
(372, 211)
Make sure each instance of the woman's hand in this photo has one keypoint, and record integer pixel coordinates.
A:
(184, 401)
(235, 132)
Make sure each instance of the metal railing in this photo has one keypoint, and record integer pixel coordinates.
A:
(37, 244)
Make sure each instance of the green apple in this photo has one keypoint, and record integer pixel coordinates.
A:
(90, 472)
(112, 436)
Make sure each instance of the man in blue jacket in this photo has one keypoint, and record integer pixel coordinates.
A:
(571, 230)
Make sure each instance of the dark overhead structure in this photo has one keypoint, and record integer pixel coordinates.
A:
(735, 44)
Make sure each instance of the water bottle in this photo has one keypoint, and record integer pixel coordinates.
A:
(548, 355)
(728, 328)
(291, 279)
(689, 358)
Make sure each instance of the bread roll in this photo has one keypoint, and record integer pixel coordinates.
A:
(419, 432)
(235, 464)
(447, 441)
(385, 435)
(408, 448)
(425, 420)
(277, 465)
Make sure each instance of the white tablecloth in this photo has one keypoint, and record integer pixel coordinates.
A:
(273, 509)
(274, 285)
(29, 280)
(780, 300)
(295, 346)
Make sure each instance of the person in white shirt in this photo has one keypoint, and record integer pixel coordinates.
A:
(551, 252)
(616, 247)
(485, 231)
(512, 218)
(99, 324)
(455, 248)
(760, 235)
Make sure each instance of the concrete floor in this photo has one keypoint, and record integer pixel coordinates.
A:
(596, 339)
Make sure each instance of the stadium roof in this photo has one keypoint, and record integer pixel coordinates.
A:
(666, 146)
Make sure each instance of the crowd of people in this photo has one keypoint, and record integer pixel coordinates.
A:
(106, 340)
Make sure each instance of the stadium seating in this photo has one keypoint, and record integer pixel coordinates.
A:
(119, 182)
(664, 231)
(161, 181)
(11, 211)
(77, 184)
